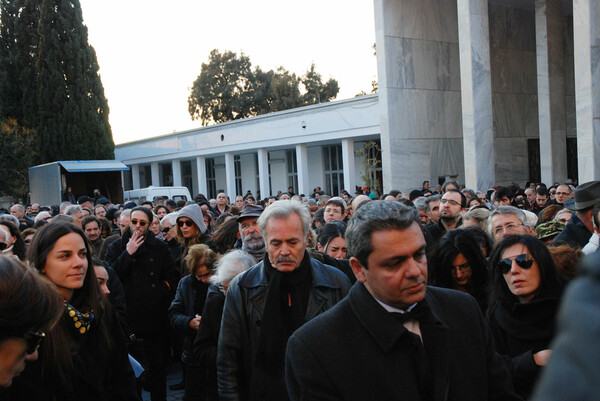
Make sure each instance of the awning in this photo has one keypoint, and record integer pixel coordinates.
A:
(88, 166)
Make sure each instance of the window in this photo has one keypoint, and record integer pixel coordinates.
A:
(238, 175)
(186, 175)
(211, 180)
(333, 169)
(572, 171)
(292, 169)
(533, 156)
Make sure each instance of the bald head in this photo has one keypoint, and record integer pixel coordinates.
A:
(358, 200)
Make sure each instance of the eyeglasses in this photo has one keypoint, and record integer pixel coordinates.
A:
(563, 193)
(2, 246)
(201, 276)
(166, 229)
(450, 201)
(464, 267)
(142, 223)
(552, 192)
(509, 227)
(188, 223)
(523, 260)
(33, 340)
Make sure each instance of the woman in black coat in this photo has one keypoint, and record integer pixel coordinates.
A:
(525, 291)
(185, 314)
(205, 344)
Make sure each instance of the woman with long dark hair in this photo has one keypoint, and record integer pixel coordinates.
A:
(84, 356)
(331, 240)
(525, 290)
(458, 263)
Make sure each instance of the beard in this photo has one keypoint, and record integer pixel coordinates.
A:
(254, 242)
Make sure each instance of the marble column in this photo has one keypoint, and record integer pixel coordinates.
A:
(135, 176)
(551, 90)
(263, 172)
(476, 94)
(586, 38)
(155, 171)
(348, 164)
(230, 176)
(176, 167)
(201, 174)
(302, 168)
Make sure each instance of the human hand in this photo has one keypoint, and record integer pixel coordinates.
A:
(195, 322)
(541, 357)
(135, 242)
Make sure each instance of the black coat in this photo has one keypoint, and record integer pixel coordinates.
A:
(359, 351)
(183, 310)
(521, 330)
(149, 279)
(575, 234)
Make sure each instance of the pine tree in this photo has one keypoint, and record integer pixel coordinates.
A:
(72, 112)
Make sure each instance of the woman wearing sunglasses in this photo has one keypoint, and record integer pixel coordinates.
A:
(524, 296)
(84, 355)
(29, 307)
(191, 230)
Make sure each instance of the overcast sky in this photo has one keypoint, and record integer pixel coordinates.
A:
(150, 52)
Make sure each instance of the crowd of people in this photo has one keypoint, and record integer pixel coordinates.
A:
(442, 293)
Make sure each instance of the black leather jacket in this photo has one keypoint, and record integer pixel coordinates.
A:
(242, 318)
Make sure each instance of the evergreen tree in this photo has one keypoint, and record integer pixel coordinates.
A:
(72, 112)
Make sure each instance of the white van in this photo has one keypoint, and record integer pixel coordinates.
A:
(153, 193)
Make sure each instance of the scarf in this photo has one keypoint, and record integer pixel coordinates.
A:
(81, 321)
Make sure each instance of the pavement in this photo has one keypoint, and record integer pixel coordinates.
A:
(174, 376)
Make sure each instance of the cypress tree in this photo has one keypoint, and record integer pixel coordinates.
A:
(72, 112)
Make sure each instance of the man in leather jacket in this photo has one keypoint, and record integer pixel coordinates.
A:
(266, 304)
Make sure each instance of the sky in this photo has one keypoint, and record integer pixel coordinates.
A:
(150, 52)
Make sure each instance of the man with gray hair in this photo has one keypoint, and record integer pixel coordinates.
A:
(251, 235)
(507, 220)
(18, 211)
(75, 212)
(266, 304)
(393, 337)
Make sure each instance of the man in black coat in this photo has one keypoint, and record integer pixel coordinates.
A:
(148, 274)
(393, 338)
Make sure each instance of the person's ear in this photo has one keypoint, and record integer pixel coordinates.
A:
(358, 269)
(319, 247)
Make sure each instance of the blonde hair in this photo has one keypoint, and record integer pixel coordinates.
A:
(200, 253)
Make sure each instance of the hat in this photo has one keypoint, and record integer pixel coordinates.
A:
(586, 196)
(129, 205)
(194, 213)
(549, 229)
(250, 210)
(82, 199)
(102, 201)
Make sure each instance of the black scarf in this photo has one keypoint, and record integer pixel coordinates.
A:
(285, 311)
(532, 321)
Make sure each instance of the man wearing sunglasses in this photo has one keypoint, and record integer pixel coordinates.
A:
(393, 337)
(145, 267)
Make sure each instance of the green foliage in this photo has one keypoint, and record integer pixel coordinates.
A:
(16, 154)
(229, 89)
(49, 81)
(370, 154)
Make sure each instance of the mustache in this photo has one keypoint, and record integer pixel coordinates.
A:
(252, 236)
(282, 259)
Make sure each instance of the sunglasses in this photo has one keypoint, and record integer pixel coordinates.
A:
(33, 340)
(2, 246)
(166, 229)
(188, 223)
(142, 223)
(523, 260)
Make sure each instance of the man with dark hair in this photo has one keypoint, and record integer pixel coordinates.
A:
(335, 209)
(393, 337)
(503, 197)
(452, 205)
(270, 301)
(541, 200)
(563, 193)
(93, 231)
(579, 229)
(144, 265)
(433, 207)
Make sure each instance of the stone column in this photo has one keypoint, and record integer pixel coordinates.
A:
(476, 94)
(348, 165)
(302, 167)
(135, 176)
(201, 173)
(551, 90)
(230, 176)
(263, 172)
(176, 167)
(154, 168)
(586, 38)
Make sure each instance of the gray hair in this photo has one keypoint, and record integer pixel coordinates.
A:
(230, 265)
(11, 218)
(73, 209)
(376, 216)
(19, 206)
(170, 218)
(507, 210)
(432, 198)
(42, 215)
(282, 209)
(420, 204)
(63, 206)
(124, 213)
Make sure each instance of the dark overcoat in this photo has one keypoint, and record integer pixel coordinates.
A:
(358, 351)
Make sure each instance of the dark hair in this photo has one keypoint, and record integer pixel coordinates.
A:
(542, 191)
(330, 231)
(549, 212)
(336, 202)
(19, 247)
(225, 236)
(376, 216)
(596, 214)
(222, 218)
(27, 302)
(551, 282)
(157, 208)
(463, 198)
(144, 209)
(453, 243)
(318, 216)
(501, 192)
(105, 225)
(451, 182)
(57, 361)
(171, 203)
(88, 219)
(482, 238)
